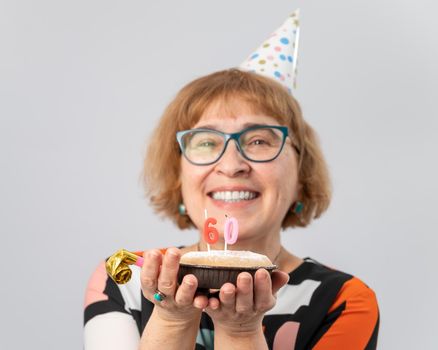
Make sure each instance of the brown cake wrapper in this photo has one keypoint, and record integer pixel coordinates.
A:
(209, 277)
(213, 277)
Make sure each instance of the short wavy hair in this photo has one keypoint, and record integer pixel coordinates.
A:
(162, 163)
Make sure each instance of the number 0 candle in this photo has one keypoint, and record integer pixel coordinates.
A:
(231, 231)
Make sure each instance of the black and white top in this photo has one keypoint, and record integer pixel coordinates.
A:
(319, 308)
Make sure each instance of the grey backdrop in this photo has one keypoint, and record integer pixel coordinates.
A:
(82, 83)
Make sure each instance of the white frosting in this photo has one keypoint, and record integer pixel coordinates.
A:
(236, 258)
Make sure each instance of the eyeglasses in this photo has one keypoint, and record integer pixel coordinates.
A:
(258, 143)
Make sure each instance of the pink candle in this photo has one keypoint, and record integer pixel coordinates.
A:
(231, 230)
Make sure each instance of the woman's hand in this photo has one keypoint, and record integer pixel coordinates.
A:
(240, 309)
(159, 272)
(174, 322)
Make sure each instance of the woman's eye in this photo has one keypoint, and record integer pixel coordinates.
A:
(206, 144)
(258, 142)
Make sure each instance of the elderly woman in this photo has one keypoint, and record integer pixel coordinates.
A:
(244, 150)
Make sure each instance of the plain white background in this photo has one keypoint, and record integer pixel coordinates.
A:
(83, 83)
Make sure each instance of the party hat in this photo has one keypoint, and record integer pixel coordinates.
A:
(277, 57)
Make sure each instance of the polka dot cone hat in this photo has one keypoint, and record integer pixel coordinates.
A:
(277, 57)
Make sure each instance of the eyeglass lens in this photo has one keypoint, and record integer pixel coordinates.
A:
(259, 144)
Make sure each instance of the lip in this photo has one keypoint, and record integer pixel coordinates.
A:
(233, 205)
(232, 188)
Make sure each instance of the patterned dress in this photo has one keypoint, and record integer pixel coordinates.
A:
(319, 308)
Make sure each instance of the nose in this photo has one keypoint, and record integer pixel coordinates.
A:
(232, 162)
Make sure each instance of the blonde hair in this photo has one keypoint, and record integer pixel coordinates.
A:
(161, 170)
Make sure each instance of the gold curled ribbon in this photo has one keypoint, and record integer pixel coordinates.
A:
(117, 266)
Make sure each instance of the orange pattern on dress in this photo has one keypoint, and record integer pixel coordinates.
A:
(354, 327)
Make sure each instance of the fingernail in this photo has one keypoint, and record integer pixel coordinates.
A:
(172, 254)
(198, 305)
(262, 274)
(153, 255)
(189, 283)
(265, 275)
(245, 279)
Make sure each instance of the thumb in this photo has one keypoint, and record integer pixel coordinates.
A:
(279, 279)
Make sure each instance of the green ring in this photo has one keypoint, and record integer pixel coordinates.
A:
(158, 297)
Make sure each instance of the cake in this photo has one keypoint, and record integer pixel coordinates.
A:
(216, 267)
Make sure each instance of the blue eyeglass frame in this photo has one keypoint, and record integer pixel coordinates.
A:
(233, 136)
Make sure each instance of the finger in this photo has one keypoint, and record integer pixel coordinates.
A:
(279, 279)
(214, 304)
(169, 271)
(227, 296)
(244, 293)
(186, 291)
(150, 271)
(264, 299)
(200, 302)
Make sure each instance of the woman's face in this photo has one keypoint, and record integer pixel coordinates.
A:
(273, 184)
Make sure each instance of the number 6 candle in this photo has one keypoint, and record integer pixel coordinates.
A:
(211, 235)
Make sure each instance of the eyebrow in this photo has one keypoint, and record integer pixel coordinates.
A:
(244, 126)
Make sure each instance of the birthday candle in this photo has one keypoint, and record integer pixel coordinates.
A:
(231, 231)
(211, 234)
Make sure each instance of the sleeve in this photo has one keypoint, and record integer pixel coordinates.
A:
(352, 321)
(108, 324)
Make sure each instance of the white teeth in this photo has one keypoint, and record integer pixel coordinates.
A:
(233, 196)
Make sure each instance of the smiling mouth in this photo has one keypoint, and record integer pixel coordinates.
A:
(233, 196)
